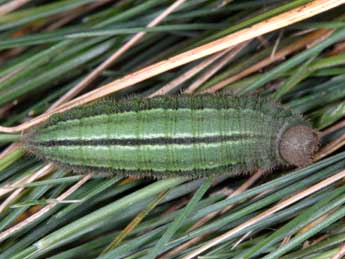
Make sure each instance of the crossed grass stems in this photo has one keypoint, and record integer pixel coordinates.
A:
(214, 63)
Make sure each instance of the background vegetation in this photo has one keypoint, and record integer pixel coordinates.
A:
(50, 47)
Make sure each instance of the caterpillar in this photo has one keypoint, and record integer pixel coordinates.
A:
(185, 136)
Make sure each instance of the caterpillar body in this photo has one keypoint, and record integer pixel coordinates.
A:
(175, 136)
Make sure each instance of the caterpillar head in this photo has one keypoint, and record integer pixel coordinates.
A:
(298, 145)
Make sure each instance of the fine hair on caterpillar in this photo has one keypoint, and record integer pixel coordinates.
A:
(185, 136)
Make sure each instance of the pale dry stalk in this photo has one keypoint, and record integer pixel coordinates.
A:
(188, 74)
(95, 73)
(279, 55)
(219, 65)
(109, 61)
(341, 253)
(11, 6)
(330, 147)
(249, 182)
(333, 128)
(282, 20)
(40, 173)
(5, 234)
(25, 180)
(281, 205)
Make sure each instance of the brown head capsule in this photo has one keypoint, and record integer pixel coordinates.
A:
(298, 145)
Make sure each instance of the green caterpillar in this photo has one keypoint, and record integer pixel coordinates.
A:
(175, 136)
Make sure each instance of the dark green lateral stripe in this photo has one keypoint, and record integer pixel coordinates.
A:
(135, 104)
(159, 158)
(147, 141)
(234, 169)
(199, 102)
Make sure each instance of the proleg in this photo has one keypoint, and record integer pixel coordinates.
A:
(186, 136)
